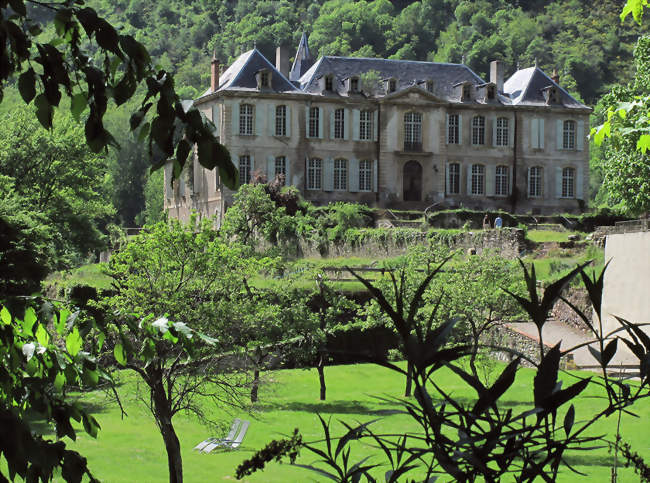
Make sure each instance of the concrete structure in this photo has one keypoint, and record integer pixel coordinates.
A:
(626, 291)
(393, 133)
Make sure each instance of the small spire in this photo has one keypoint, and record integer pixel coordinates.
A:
(535, 61)
(462, 59)
(255, 44)
(214, 55)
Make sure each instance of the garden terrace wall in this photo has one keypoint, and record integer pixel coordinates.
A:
(391, 242)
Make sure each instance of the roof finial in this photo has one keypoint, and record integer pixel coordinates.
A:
(517, 65)
(214, 54)
(255, 44)
(535, 61)
(462, 59)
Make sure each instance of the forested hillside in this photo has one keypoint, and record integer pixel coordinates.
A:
(581, 38)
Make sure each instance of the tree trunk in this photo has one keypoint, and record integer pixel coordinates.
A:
(256, 385)
(409, 379)
(172, 444)
(321, 377)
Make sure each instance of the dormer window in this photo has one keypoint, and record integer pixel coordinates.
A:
(551, 95)
(354, 84)
(466, 92)
(429, 86)
(263, 79)
(392, 85)
(491, 92)
(329, 83)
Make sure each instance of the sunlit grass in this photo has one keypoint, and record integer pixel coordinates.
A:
(132, 449)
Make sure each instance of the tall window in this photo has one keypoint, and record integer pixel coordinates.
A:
(365, 125)
(265, 78)
(467, 92)
(281, 120)
(339, 123)
(569, 135)
(340, 174)
(281, 168)
(502, 131)
(354, 84)
(454, 179)
(314, 121)
(246, 119)
(244, 169)
(329, 83)
(478, 130)
(568, 183)
(314, 174)
(412, 131)
(453, 129)
(365, 176)
(392, 85)
(430, 86)
(535, 181)
(502, 180)
(478, 179)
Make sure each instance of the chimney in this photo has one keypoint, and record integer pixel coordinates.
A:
(282, 60)
(214, 73)
(496, 74)
(555, 77)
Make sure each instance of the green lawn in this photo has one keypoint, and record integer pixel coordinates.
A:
(549, 236)
(91, 275)
(132, 449)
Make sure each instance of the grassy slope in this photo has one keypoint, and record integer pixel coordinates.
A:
(132, 449)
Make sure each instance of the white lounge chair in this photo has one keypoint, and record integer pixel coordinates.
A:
(229, 437)
(228, 444)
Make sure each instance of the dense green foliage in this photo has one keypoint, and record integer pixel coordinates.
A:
(625, 165)
(556, 33)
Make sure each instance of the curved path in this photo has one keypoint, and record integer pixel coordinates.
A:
(555, 331)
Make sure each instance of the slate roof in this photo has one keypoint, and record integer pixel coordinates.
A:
(525, 88)
(303, 60)
(240, 76)
(406, 72)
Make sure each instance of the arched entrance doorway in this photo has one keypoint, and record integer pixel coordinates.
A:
(412, 176)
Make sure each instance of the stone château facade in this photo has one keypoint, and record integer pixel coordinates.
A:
(393, 133)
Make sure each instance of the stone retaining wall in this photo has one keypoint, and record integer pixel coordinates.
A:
(507, 242)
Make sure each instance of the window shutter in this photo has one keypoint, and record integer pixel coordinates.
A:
(270, 168)
(511, 132)
(354, 175)
(252, 170)
(375, 176)
(181, 183)
(558, 182)
(528, 182)
(328, 174)
(320, 122)
(447, 184)
(346, 124)
(534, 133)
(332, 123)
(580, 144)
(235, 118)
(468, 172)
(375, 127)
(169, 168)
(447, 133)
(494, 131)
(287, 168)
(460, 129)
(510, 180)
(307, 121)
(355, 124)
(272, 113)
(579, 184)
(216, 119)
(558, 129)
(288, 121)
(490, 180)
(540, 135)
(260, 113)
